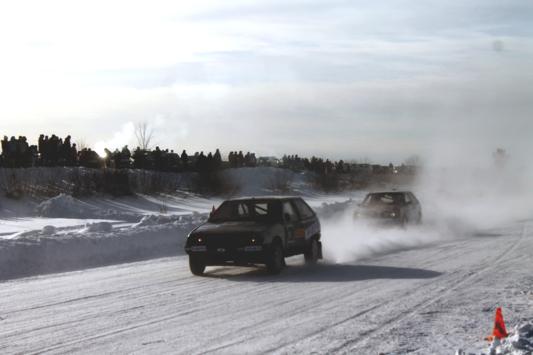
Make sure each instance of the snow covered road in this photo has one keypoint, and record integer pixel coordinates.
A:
(430, 300)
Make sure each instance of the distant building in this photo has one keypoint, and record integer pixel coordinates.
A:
(268, 161)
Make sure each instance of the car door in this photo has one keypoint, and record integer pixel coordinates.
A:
(291, 220)
(308, 225)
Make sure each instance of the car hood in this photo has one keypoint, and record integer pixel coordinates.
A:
(209, 228)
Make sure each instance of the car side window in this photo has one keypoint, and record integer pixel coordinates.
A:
(261, 209)
(242, 210)
(289, 210)
(305, 211)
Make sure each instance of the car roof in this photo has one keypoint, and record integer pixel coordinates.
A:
(390, 192)
(274, 197)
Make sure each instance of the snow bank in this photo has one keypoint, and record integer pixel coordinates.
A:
(519, 342)
(48, 230)
(99, 227)
(54, 249)
(51, 250)
(151, 220)
(64, 206)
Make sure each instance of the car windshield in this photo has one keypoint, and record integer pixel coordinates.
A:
(384, 199)
(247, 210)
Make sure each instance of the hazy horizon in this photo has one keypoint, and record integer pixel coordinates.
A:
(343, 80)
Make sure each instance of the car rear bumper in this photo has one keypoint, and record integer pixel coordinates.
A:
(380, 221)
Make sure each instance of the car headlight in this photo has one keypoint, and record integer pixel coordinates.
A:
(256, 239)
(393, 214)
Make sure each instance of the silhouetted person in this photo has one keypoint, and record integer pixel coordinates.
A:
(217, 159)
(184, 160)
(240, 159)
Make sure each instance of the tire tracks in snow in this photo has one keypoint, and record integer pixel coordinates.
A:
(113, 332)
(391, 322)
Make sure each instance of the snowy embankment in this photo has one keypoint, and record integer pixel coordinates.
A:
(89, 242)
(520, 341)
(64, 233)
(96, 243)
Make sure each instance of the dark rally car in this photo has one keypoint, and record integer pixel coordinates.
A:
(262, 230)
(391, 207)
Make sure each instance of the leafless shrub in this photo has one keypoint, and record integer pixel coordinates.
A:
(144, 135)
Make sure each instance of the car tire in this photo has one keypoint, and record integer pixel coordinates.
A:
(196, 265)
(313, 253)
(275, 260)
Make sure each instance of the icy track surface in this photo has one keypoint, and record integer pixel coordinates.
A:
(430, 300)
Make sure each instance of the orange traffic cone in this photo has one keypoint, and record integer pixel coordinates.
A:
(499, 331)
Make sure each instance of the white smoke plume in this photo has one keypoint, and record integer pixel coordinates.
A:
(459, 200)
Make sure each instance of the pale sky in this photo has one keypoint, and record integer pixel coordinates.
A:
(380, 80)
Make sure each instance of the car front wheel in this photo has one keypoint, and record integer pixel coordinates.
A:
(197, 265)
(275, 260)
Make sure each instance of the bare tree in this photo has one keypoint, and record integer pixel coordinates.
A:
(81, 144)
(144, 135)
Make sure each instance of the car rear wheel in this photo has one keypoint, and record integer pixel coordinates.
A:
(197, 265)
(313, 253)
(275, 260)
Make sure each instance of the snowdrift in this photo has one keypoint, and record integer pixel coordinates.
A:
(116, 231)
(65, 206)
(49, 250)
(519, 341)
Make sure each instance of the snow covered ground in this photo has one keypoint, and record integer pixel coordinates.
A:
(16, 227)
(432, 299)
(429, 289)
(64, 233)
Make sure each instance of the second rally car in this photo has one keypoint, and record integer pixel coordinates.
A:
(262, 230)
(390, 208)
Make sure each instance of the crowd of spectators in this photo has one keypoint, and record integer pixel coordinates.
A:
(239, 160)
(16, 152)
(54, 151)
(317, 165)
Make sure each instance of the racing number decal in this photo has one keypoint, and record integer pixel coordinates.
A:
(300, 233)
(306, 232)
